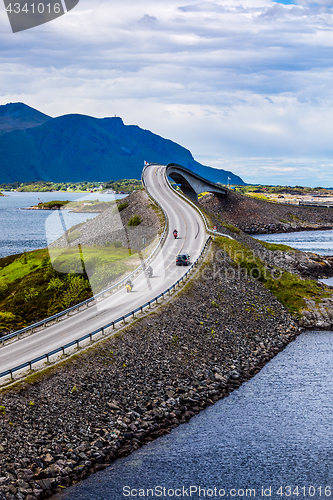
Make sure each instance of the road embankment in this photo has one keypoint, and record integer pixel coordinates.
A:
(255, 216)
(58, 428)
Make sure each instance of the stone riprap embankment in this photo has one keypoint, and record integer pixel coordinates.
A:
(256, 216)
(112, 226)
(318, 311)
(304, 264)
(129, 390)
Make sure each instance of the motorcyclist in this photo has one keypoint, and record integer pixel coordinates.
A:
(129, 284)
(149, 271)
(175, 233)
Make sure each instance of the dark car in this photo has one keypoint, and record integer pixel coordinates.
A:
(183, 259)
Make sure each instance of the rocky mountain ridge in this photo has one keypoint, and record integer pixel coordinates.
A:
(76, 147)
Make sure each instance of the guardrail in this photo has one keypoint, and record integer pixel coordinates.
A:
(54, 317)
(29, 364)
(197, 208)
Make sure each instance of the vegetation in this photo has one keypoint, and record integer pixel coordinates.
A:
(77, 206)
(120, 207)
(135, 220)
(32, 287)
(125, 185)
(288, 288)
(53, 204)
(276, 246)
(293, 190)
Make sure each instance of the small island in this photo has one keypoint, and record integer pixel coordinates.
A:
(83, 206)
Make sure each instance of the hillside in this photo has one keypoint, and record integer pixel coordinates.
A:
(77, 147)
(255, 216)
(16, 116)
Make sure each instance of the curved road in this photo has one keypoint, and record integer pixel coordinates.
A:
(191, 239)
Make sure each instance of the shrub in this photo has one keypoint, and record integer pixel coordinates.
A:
(30, 294)
(135, 220)
(3, 288)
(117, 244)
(6, 318)
(55, 284)
(76, 285)
(120, 207)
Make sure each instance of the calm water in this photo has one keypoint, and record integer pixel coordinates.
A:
(31, 229)
(320, 242)
(275, 431)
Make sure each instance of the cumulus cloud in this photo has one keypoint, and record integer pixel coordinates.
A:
(242, 79)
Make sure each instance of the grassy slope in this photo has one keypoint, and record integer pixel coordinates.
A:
(288, 288)
(31, 288)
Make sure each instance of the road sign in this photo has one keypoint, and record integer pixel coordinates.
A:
(214, 228)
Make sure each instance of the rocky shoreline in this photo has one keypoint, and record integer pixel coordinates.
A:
(59, 427)
(78, 418)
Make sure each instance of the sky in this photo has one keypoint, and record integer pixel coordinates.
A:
(245, 85)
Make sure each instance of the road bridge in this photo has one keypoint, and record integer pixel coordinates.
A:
(192, 184)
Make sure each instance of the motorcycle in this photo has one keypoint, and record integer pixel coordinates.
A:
(149, 272)
(129, 287)
(175, 234)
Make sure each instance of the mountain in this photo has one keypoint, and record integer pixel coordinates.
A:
(14, 116)
(76, 147)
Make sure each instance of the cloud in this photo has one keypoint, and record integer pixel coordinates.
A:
(241, 79)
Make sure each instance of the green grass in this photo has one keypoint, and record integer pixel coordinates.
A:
(258, 196)
(32, 287)
(276, 246)
(231, 228)
(288, 288)
(54, 203)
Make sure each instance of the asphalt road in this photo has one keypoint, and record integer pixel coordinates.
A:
(191, 239)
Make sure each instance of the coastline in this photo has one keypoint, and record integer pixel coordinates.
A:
(75, 418)
(141, 383)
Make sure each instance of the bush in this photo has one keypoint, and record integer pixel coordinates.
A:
(6, 320)
(30, 294)
(120, 207)
(3, 288)
(135, 220)
(117, 244)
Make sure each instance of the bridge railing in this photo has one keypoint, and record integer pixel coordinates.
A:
(102, 329)
(197, 209)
